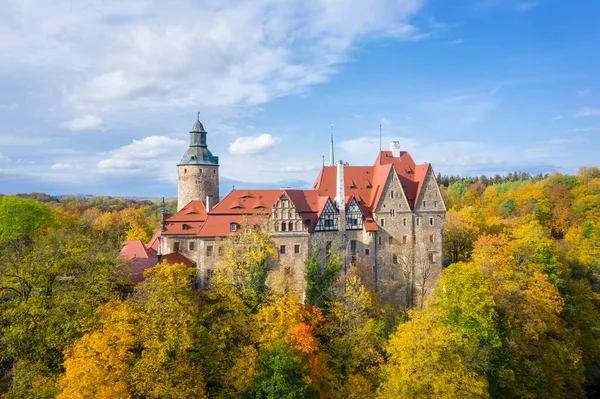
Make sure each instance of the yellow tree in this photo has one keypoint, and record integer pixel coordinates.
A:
(460, 232)
(169, 333)
(245, 262)
(98, 364)
(424, 361)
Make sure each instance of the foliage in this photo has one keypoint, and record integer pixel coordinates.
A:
(22, 218)
(320, 279)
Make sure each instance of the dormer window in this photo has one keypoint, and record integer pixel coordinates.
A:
(233, 227)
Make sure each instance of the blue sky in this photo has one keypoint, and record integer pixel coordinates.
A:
(98, 96)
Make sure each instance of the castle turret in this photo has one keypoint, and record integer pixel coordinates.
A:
(198, 171)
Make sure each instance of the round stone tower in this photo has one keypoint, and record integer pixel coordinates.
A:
(198, 171)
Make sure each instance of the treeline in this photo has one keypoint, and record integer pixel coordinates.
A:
(516, 314)
(446, 181)
(78, 204)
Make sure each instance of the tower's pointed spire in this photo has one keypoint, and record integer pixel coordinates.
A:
(331, 157)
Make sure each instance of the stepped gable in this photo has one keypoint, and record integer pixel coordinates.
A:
(187, 221)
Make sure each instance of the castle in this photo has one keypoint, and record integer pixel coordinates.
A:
(389, 216)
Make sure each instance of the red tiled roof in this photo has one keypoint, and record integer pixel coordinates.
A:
(187, 221)
(219, 225)
(139, 265)
(365, 183)
(135, 249)
(153, 243)
(194, 211)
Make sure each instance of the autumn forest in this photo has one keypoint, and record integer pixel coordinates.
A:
(515, 314)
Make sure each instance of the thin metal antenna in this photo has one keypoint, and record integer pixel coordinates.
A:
(198, 116)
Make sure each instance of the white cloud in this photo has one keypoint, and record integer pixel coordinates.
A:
(84, 122)
(153, 155)
(586, 111)
(456, 42)
(8, 107)
(557, 118)
(525, 6)
(114, 55)
(64, 166)
(253, 144)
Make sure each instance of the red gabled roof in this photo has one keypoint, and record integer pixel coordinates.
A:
(187, 221)
(194, 211)
(135, 249)
(139, 266)
(219, 225)
(153, 243)
(364, 183)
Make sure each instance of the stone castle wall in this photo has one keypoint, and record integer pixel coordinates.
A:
(195, 182)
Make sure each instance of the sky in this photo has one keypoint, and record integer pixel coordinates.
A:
(98, 96)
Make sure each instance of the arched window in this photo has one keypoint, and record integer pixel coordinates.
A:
(290, 226)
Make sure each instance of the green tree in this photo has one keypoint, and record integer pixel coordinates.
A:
(280, 374)
(22, 218)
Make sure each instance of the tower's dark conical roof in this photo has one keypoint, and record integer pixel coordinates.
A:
(198, 152)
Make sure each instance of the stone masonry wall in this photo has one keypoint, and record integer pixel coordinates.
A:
(195, 182)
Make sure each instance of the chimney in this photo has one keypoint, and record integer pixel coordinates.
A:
(395, 148)
(339, 198)
(207, 203)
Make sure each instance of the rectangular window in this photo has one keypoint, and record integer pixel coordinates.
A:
(379, 240)
(393, 277)
(382, 222)
(297, 248)
(328, 222)
(392, 194)
(418, 221)
(282, 226)
(291, 226)
(282, 249)
(221, 251)
(191, 245)
(424, 204)
(404, 239)
(395, 259)
(209, 250)
(176, 246)
(209, 275)
(431, 221)
(367, 251)
(435, 204)
(430, 237)
(232, 227)
(431, 257)
(353, 246)
(404, 222)
(307, 222)
(392, 212)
